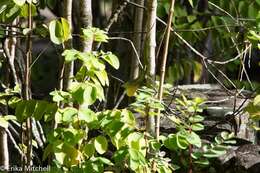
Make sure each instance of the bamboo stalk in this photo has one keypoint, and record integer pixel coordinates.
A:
(162, 75)
(163, 66)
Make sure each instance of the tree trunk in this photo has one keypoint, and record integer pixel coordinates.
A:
(86, 21)
(137, 40)
(68, 67)
(150, 45)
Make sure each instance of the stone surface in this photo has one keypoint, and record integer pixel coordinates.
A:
(218, 110)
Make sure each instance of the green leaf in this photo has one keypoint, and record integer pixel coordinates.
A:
(68, 113)
(128, 117)
(59, 96)
(197, 127)
(155, 145)
(202, 162)
(95, 34)
(252, 11)
(59, 31)
(256, 100)
(197, 71)
(258, 2)
(87, 115)
(19, 111)
(19, 2)
(70, 55)
(111, 59)
(210, 154)
(219, 150)
(226, 135)
(137, 159)
(104, 161)
(9, 117)
(90, 95)
(3, 122)
(51, 3)
(191, 2)
(171, 143)
(47, 151)
(102, 77)
(12, 13)
(191, 137)
(196, 119)
(25, 10)
(181, 142)
(100, 144)
(120, 155)
(50, 111)
(55, 29)
(40, 109)
(89, 150)
(30, 108)
(26, 31)
(66, 29)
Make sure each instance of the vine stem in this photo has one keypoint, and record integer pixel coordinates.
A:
(162, 70)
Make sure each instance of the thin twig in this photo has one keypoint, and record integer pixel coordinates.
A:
(14, 143)
(132, 44)
(120, 100)
(113, 18)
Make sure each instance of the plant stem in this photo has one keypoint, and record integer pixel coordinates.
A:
(26, 90)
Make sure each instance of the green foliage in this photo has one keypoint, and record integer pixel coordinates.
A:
(33, 108)
(4, 120)
(94, 34)
(187, 142)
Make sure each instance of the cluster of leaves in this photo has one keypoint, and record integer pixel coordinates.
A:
(186, 143)
(10, 9)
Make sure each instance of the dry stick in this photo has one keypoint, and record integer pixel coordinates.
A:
(9, 48)
(14, 142)
(132, 45)
(113, 18)
(204, 58)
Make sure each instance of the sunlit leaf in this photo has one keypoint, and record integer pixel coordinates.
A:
(197, 71)
(19, 2)
(3, 122)
(100, 144)
(111, 59)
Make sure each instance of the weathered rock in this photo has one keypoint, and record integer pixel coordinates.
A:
(220, 107)
(244, 158)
